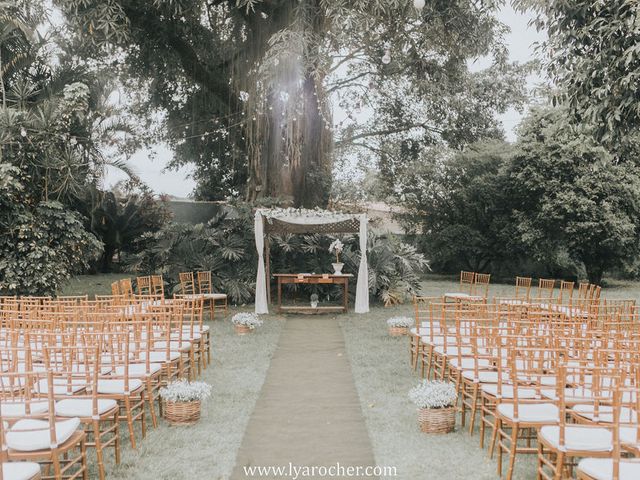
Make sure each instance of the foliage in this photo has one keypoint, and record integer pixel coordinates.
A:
(455, 204)
(434, 394)
(247, 87)
(569, 194)
(119, 218)
(250, 320)
(226, 246)
(594, 58)
(40, 247)
(185, 391)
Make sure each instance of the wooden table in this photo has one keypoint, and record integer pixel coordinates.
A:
(314, 279)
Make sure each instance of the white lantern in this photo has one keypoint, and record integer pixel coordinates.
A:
(419, 4)
(386, 58)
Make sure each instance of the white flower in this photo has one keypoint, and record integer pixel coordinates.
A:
(336, 246)
(244, 96)
(401, 322)
(184, 391)
(433, 394)
(250, 320)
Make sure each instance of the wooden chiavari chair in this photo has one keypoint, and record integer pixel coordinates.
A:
(422, 310)
(143, 285)
(467, 280)
(187, 283)
(565, 295)
(481, 285)
(15, 470)
(157, 286)
(544, 295)
(43, 438)
(125, 288)
(523, 288)
(205, 288)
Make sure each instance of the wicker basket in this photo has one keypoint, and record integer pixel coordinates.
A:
(242, 329)
(398, 331)
(182, 413)
(437, 420)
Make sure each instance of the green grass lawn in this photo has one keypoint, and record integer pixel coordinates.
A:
(92, 284)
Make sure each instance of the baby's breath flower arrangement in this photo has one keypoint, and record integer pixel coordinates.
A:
(184, 391)
(182, 401)
(402, 322)
(436, 405)
(250, 320)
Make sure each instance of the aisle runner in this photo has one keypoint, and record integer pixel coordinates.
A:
(308, 413)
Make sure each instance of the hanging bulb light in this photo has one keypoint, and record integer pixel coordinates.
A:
(386, 58)
(418, 4)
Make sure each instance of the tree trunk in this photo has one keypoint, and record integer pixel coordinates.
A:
(594, 273)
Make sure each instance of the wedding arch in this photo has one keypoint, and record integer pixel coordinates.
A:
(301, 221)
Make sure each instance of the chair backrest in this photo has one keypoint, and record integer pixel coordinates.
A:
(187, 283)
(115, 288)
(125, 287)
(545, 289)
(143, 285)
(466, 281)
(481, 284)
(523, 288)
(566, 292)
(157, 285)
(204, 282)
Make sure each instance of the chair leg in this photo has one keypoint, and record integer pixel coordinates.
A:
(116, 432)
(149, 397)
(129, 416)
(497, 424)
(474, 407)
(513, 450)
(99, 454)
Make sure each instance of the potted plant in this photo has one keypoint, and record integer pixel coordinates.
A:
(245, 322)
(436, 402)
(314, 300)
(337, 247)
(399, 325)
(182, 400)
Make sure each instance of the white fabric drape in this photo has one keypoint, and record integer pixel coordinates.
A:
(362, 286)
(261, 279)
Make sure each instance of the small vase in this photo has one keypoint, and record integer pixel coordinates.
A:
(182, 413)
(437, 420)
(398, 331)
(242, 329)
(314, 304)
(337, 268)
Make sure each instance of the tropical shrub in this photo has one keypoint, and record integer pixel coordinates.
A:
(226, 246)
(41, 246)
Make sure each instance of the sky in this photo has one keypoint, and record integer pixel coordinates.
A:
(177, 183)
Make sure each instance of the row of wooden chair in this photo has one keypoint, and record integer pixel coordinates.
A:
(542, 379)
(72, 370)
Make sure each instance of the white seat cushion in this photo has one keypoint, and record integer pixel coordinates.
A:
(484, 376)
(530, 412)
(629, 436)
(508, 392)
(605, 413)
(18, 409)
(83, 407)
(215, 296)
(453, 351)
(590, 439)
(185, 347)
(457, 295)
(160, 357)
(61, 387)
(468, 363)
(32, 435)
(139, 370)
(571, 395)
(20, 470)
(602, 468)
(117, 386)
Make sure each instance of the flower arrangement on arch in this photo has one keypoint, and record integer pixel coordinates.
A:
(246, 319)
(434, 394)
(336, 247)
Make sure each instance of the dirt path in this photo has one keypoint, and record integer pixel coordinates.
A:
(308, 413)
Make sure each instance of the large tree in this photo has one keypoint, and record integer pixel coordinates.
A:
(570, 195)
(244, 86)
(593, 57)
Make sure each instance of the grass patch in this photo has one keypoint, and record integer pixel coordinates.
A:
(92, 284)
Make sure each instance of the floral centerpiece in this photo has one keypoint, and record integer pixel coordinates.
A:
(336, 247)
(245, 322)
(399, 325)
(436, 402)
(182, 400)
